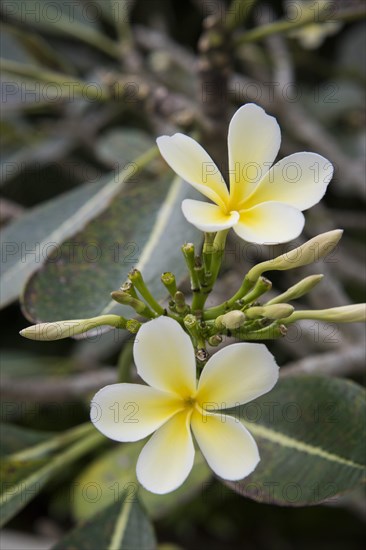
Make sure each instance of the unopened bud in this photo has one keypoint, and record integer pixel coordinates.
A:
(296, 291)
(66, 329)
(311, 251)
(343, 314)
(275, 311)
(231, 320)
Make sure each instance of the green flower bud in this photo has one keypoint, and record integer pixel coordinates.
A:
(275, 311)
(66, 329)
(311, 251)
(231, 320)
(343, 314)
(299, 289)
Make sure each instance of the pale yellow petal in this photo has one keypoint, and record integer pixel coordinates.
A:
(237, 374)
(208, 217)
(226, 444)
(270, 223)
(129, 412)
(254, 140)
(164, 357)
(167, 458)
(193, 164)
(299, 180)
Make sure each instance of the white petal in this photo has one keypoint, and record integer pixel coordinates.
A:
(236, 375)
(270, 223)
(164, 357)
(208, 217)
(192, 163)
(226, 444)
(300, 180)
(254, 140)
(167, 458)
(129, 412)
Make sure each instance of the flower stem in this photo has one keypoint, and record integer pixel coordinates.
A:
(213, 312)
(124, 362)
(216, 252)
(136, 278)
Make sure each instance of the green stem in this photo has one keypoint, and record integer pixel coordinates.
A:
(213, 312)
(69, 86)
(284, 26)
(57, 442)
(136, 278)
(207, 251)
(218, 250)
(124, 362)
(272, 332)
(189, 256)
(261, 287)
(168, 280)
(122, 22)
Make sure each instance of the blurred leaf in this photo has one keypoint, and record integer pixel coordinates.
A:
(27, 242)
(11, 47)
(121, 526)
(118, 144)
(14, 438)
(143, 227)
(310, 432)
(22, 479)
(72, 19)
(114, 473)
(42, 228)
(352, 49)
(16, 364)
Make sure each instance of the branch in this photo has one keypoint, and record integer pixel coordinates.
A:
(285, 26)
(346, 362)
(54, 389)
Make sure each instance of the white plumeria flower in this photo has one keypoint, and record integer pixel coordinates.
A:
(265, 202)
(174, 403)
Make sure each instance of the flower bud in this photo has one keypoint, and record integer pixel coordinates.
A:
(343, 314)
(231, 320)
(299, 289)
(66, 329)
(311, 251)
(275, 311)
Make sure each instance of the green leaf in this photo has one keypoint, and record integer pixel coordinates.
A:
(22, 480)
(121, 526)
(128, 142)
(311, 436)
(27, 242)
(143, 227)
(60, 17)
(14, 438)
(114, 473)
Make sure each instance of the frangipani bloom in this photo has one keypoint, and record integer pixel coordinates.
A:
(264, 203)
(174, 404)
